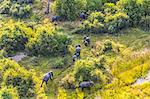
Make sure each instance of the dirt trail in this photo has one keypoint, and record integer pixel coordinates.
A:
(143, 80)
(18, 57)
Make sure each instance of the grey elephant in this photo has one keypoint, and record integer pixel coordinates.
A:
(86, 84)
(46, 77)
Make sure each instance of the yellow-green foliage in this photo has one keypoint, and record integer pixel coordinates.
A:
(16, 8)
(95, 65)
(130, 61)
(107, 46)
(80, 94)
(39, 39)
(2, 54)
(127, 92)
(82, 69)
(14, 35)
(62, 94)
(9, 93)
(27, 82)
(68, 81)
(126, 71)
(117, 93)
(110, 8)
(130, 76)
(111, 20)
(130, 7)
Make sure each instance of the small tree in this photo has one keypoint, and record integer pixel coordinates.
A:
(133, 9)
(68, 9)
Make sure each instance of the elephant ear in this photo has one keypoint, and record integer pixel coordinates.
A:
(52, 74)
(91, 82)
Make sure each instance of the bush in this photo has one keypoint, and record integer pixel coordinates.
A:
(17, 9)
(101, 63)
(95, 27)
(68, 81)
(99, 76)
(137, 60)
(5, 6)
(60, 63)
(131, 7)
(107, 46)
(92, 5)
(130, 76)
(9, 93)
(25, 81)
(40, 39)
(68, 9)
(86, 70)
(145, 23)
(111, 21)
(83, 70)
(116, 22)
(96, 16)
(62, 94)
(48, 41)
(2, 54)
(110, 1)
(94, 23)
(110, 8)
(145, 5)
(13, 36)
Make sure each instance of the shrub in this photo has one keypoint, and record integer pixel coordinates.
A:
(62, 94)
(107, 46)
(100, 63)
(146, 7)
(25, 81)
(40, 39)
(99, 76)
(17, 9)
(111, 21)
(97, 49)
(116, 22)
(139, 61)
(96, 16)
(13, 36)
(130, 76)
(131, 7)
(110, 1)
(93, 23)
(48, 41)
(2, 53)
(24, 87)
(68, 9)
(95, 27)
(100, 48)
(4, 8)
(83, 70)
(68, 81)
(9, 93)
(60, 63)
(145, 23)
(110, 8)
(92, 5)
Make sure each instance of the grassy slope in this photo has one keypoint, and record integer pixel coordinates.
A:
(133, 38)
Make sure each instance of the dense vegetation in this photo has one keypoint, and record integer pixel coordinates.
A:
(16, 8)
(40, 39)
(118, 56)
